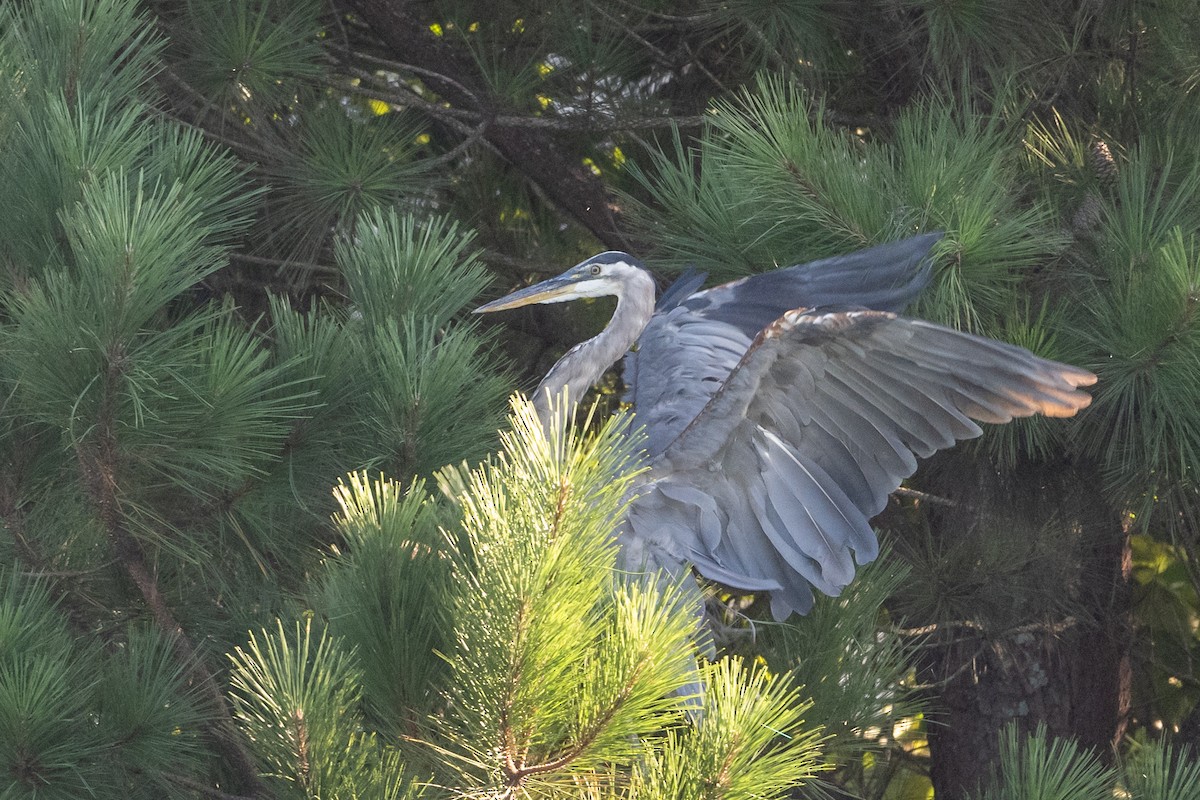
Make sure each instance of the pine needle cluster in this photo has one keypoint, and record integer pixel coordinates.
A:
(531, 666)
(1041, 767)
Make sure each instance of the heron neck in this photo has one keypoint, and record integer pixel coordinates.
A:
(583, 364)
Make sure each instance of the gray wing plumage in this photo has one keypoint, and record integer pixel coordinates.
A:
(681, 289)
(772, 483)
(693, 343)
(886, 277)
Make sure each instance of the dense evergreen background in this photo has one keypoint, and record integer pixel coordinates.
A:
(239, 243)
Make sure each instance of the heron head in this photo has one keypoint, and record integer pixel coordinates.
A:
(603, 274)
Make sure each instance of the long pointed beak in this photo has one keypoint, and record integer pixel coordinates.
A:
(548, 291)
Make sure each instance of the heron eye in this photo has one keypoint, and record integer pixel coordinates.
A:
(594, 269)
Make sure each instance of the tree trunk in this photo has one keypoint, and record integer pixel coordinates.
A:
(1064, 663)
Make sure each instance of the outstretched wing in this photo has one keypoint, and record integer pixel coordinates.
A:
(773, 484)
(692, 344)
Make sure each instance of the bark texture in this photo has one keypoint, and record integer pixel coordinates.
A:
(1056, 650)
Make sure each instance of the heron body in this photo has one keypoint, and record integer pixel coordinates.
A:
(782, 409)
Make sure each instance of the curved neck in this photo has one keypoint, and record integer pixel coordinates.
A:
(584, 363)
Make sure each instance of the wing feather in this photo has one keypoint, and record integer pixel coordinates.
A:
(895, 376)
(862, 421)
(821, 418)
(917, 414)
(826, 505)
(707, 521)
(689, 348)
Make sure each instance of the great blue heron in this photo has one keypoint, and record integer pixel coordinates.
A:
(782, 409)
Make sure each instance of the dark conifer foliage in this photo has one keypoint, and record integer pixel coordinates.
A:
(238, 246)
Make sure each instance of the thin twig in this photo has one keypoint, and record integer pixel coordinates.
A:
(246, 151)
(1050, 626)
(336, 15)
(236, 145)
(521, 265)
(693, 19)
(460, 115)
(66, 573)
(926, 497)
(946, 681)
(598, 125)
(658, 52)
(475, 137)
(260, 261)
(777, 61)
(201, 100)
(699, 62)
(402, 95)
(451, 117)
(12, 517)
(400, 66)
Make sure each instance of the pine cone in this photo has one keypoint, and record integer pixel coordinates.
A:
(1088, 214)
(1103, 162)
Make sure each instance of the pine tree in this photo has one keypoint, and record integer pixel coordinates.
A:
(239, 241)
(168, 456)
(512, 658)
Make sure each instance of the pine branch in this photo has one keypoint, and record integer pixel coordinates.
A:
(916, 494)
(99, 465)
(516, 774)
(283, 263)
(473, 138)
(704, 18)
(700, 65)
(12, 517)
(516, 768)
(335, 16)
(533, 150)
(244, 148)
(401, 66)
(659, 54)
(577, 123)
